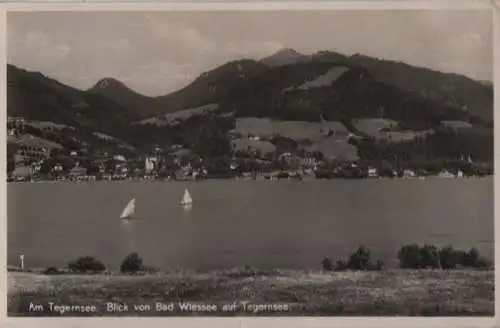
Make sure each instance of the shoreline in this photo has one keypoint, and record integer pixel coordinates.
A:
(305, 293)
(249, 179)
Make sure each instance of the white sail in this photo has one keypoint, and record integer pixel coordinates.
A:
(129, 210)
(186, 198)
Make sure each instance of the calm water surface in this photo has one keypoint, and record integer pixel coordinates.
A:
(287, 224)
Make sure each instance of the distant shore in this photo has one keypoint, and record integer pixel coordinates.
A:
(432, 177)
(243, 292)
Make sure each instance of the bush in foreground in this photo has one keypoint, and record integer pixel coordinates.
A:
(414, 256)
(131, 264)
(51, 271)
(86, 264)
(326, 264)
(358, 261)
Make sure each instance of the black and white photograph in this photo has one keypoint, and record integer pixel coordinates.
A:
(250, 163)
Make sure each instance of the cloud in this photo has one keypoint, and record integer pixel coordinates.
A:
(153, 56)
(37, 46)
(159, 52)
(164, 32)
(255, 49)
(161, 76)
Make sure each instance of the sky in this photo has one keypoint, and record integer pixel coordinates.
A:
(155, 53)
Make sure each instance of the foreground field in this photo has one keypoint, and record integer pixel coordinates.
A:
(293, 293)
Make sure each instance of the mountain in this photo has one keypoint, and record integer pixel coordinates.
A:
(215, 85)
(284, 57)
(40, 98)
(137, 104)
(303, 92)
(448, 88)
(287, 96)
(207, 88)
(289, 69)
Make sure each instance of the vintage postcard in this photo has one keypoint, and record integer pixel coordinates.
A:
(250, 163)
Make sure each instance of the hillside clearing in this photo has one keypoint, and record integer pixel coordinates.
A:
(315, 133)
(265, 127)
(45, 125)
(107, 137)
(335, 147)
(323, 80)
(457, 124)
(394, 292)
(372, 126)
(33, 141)
(244, 144)
(182, 115)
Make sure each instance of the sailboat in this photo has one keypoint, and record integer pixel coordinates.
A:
(186, 198)
(129, 210)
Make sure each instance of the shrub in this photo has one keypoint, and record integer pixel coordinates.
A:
(149, 270)
(51, 270)
(448, 258)
(131, 264)
(341, 266)
(360, 260)
(472, 259)
(326, 264)
(86, 264)
(416, 257)
(483, 263)
(409, 257)
(429, 257)
(378, 266)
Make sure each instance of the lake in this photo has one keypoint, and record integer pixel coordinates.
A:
(265, 224)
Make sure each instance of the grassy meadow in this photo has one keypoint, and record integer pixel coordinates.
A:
(348, 293)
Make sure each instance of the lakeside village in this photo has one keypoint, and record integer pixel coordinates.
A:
(33, 159)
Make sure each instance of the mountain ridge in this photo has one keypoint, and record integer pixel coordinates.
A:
(285, 56)
(444, 87)
(329, 86)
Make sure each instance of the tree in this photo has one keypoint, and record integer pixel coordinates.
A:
(326, 264)
(46, 167)
(409, 257)
(448, 258)
(11, 165)
(131, 264)
(360, 260)
(86, 264)
(92, 169)
(429, 257)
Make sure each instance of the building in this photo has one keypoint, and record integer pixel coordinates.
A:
(77, 172)
(409, 174)
(57, 168)
(446, 174)
(309, 161)
(372, 172)
(16, 120)
(149, 165)
(119, 158)
(121, 169)
(23, 172)
(33, 149)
